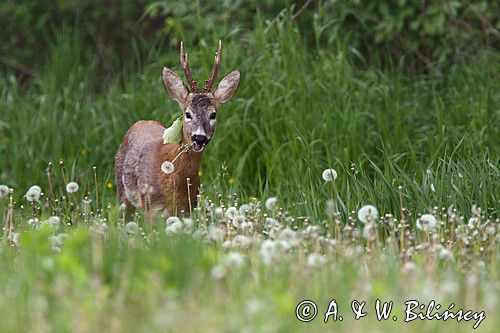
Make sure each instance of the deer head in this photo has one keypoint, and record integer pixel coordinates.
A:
(199, 109)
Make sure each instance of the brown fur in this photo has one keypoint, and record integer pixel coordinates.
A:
(138, 166)
(139, 178)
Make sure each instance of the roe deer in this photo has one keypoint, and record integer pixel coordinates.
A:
(138, 162)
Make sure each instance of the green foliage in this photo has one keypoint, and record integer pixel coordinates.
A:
(422, 34)
(296, 113)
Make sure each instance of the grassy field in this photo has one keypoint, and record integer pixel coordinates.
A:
(407, 145)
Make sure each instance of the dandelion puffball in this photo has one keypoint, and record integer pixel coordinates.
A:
(271, 203)
(234, 259)
(32, 195)
(315, 260)
(131, 228)
(4, 191)
(167, 167)
(72, 187)
(427, 222)
(367, 213)
(329, 175)
(232, 212)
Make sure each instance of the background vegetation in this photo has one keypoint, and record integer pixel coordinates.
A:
(400, 97)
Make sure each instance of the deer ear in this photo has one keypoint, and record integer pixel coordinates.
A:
(174, 85)
(227, 87)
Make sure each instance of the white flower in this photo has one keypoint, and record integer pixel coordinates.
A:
(54, 221)
(329, 175)
(245, 209)
(167, 167)
(173, 228)
(218, 211)
(4, 191)
(246, 226)
(289, 237)
(15, 238)
(271, 203)
(36, 188)
(427, 223)
(367, 213)
(231, 212)
(215, 233)
(271, 223)
(446, 255)
(32, 195)
(132, 228)
(268, 251)
(234, 259)
(172, 220)
(174, 225)
(34, 222)
(238, 220)
(72, 187)
(241, 241)
(173, 134)
(409, 267)
(315, 260)
(188, 223)
(218, 272)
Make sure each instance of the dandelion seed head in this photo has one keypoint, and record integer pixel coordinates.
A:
(245, 209)
(219, 211)
(446, 254)
(367, 213)
(329, 175)
(427, 223)
(241, 241)
(218, 272)
(132, 228)
(234, 260)
(409, 267)
(188, 223)
(167, 167)
(238, 220)
(4, 191)
(315, 260)
(32, 195)
(232, 212)
(172, 220)
(35, 188)
(271, 203)
(216, 234)
(72, 187)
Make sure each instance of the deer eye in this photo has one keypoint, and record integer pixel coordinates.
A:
(188, 115)
(213, 115)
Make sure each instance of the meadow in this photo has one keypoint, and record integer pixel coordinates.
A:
(269, 231)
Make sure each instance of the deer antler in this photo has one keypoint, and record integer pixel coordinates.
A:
(187, 71)
(210, 81)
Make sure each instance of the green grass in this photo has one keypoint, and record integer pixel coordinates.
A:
(299, 110)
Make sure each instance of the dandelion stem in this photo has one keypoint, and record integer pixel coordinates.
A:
(189, 194)
(94, 168)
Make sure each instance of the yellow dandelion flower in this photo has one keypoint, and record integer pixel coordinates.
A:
(61, 161)
(109, 185)
(200, 173)
(84, 152)
(231, 181)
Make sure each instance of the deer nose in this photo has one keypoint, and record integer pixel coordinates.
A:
(200, 139)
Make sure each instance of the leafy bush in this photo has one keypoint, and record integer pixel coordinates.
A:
(429, 33)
